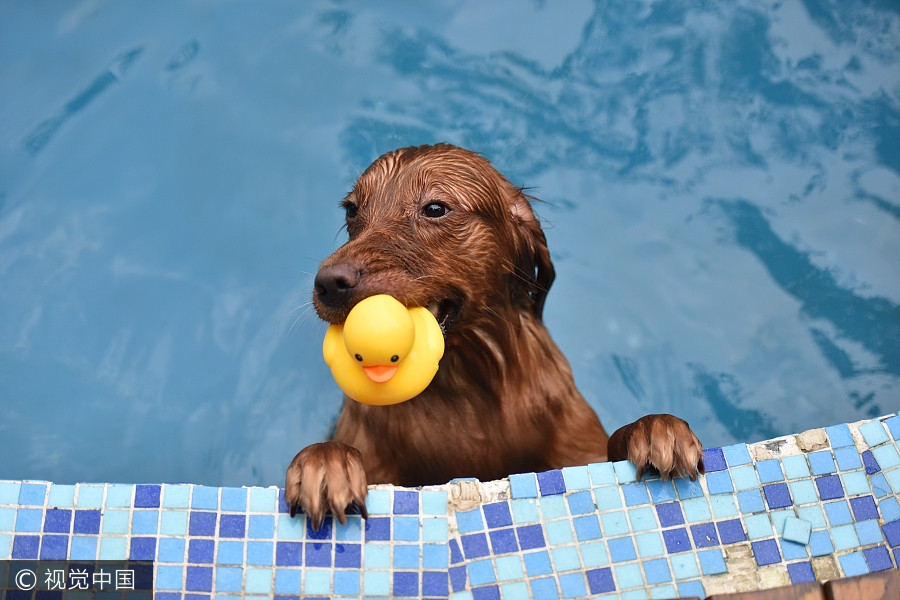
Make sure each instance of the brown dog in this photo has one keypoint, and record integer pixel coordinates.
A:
(438, 226)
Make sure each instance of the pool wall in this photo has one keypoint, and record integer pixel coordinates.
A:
(818, 505)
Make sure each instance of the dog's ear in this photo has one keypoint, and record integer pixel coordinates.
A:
(533, 262)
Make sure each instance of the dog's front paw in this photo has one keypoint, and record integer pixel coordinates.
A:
(661, 442)
(326, 476)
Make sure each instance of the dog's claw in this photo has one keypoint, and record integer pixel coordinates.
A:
(323, 477)
(662, 443)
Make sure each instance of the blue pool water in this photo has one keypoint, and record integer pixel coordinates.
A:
(722, 187)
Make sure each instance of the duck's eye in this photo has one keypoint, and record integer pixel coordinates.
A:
(435, 210)
(358, 357)
(351, 209)
(395, 358)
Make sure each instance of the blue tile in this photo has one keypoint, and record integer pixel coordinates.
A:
(530, 537)
(690, 589)
(745, 478)
(481, 572)
(731, 531)
(657, 571)
(142, 548)
(830, 487)
(497, 514)
(889, 509)
(553, 507)
(260, 553)
(670, 514)
(714, 460)
(839, 435)
(792, 550)
(523, 485)
(838, 513)
(769, 471)
(524, 511)
(719, 483)
(32, 494)
(878, 558)
(322, 533)
(635, 494)
(803, 491)
(435, 556)
(676, 540)
(642, 519)
(537, 563)
(57, 520)
(559, 532)
(261, 527)
(406, 503)
(234, 499)
(688, 489)
(797, 530)
(821, 463)
(777, 495)
(594, 554)
(853, 564)
(614, 523)
(621, 549)
(581, 503)
(661, 491)
(766, 552)
(565, 558)
(318, 554)
(146, 496)
(736, 455)
(628, 576)
(198, 579)
(801, 572)
(625, 470)
(572, 585)
(544, 588)
(847, 459)
(576, 478)
(868, 532)
(232, 552)
(406, 556)
(892, 533)
(696, 509)
(469, 521)
(608, 497)
(406, 529)
(455, 553)
(887, 456)
(893, 424)
(202, 523)
(145, 522)
(405, 584)
(434, 502)
(378, 529)
(820, 543)
(844, 537)
(26, 546)
(56, 547)
(602, 474)
(587, 528)
(874, 432)
(378, 502)
(503, 541)
(750, 501)
(232, 526)
(457, 578)
(795, 467)
(684, 566)
(704, 535)
(600, 581)
(205, 498)
(649, 544)
(551, 482)
(712, 562)
(870, 463)
(434, 584)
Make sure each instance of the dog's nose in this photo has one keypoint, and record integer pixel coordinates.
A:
(335, 283)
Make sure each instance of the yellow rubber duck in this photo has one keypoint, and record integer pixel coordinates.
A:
(384, 353)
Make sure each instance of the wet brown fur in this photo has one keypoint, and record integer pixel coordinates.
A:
(503, 400)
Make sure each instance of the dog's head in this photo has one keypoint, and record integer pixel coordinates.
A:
(437, 226)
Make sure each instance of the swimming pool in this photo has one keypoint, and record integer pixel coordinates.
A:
(721, 189)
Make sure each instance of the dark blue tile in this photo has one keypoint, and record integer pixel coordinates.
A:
(201, 551)
(282, 504)
(878, 558)
(551, 482)
(143, 548)
(406, 503)
(475, 545)
(87, 521)
(202, 523)
(864, 508)
(870, 463)
(56, 547)
(676, 540)
(503, 541)
(146, 496)
(406, 583)
(766, 552)
(704, 535)
(891, 533)
(731, 531)
(497, 514)
(458, 578)
(378, 529)
(199, 579)
(600, 581)
(670, 514)
(288, 554)
(57, 520)
(318, 554)
(348, 556)
(490, 592)
(777, 495)
(531, 536)
(324, 532)
(233, 526)
(801, 572)
(714, 460)
(435, 584)
(830, 487)
(26, 546)
(455, 554)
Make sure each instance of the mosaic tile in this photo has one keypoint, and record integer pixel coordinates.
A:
(591, 530)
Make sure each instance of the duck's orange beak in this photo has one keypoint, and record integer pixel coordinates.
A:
(380, 373)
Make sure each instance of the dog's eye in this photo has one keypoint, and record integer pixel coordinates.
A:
(395, 358)
(351, 209)
(358, 357)
(435, 210)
